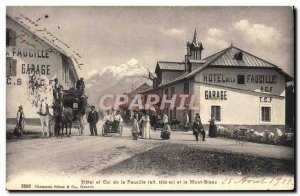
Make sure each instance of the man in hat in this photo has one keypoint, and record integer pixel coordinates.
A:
(198, 128)
(57, 87)
(80, 84)
(20, 120)
(93, 118)
(197, 117)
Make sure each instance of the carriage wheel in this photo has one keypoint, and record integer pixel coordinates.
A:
(120, 130)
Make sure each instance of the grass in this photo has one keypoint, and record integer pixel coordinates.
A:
(175, 159)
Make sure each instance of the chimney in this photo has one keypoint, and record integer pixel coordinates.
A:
(187, 56)
(188, 48)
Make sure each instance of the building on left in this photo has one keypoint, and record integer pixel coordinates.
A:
(32, 64)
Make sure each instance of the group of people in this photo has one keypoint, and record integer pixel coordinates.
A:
(112, 119)
(141, 126)
(57, 88)
(198, 128)
(42, 105)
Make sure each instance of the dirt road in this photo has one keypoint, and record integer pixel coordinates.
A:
(86, 155)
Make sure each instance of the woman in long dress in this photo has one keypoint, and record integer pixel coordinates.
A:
(212, 131)
(135, 128)
(146, 127)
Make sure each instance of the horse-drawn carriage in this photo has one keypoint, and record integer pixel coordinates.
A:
(69, 109)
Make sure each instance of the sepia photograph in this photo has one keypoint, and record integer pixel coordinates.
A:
(150, 98)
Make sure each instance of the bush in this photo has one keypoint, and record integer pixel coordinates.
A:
(267, 137)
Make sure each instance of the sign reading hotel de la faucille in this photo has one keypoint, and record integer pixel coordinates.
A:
(220, 78)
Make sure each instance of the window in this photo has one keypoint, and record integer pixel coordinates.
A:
(266, 114)
(241, 79)
(10, 37)
(66, 74)
(238, 56)
(11, 66)
(186, 88)
(172, 91)
(166, 91)
(216, 112)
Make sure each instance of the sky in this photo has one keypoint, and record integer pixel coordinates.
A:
(117, 37)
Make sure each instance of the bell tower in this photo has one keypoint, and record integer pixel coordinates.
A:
(194, 49)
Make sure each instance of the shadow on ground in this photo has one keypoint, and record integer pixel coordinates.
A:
(180, 159)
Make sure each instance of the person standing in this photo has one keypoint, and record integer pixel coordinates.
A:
(186, 121)
(166, 129)
(93, 118)
(135, 128)
(142, 123)
(20, 121)
(198, 128)
(80, 84)
(146, 127)
(44, 117)
(165, 119)
(212, 131)
(57, 87)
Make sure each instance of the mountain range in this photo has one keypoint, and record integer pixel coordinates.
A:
(115, 80)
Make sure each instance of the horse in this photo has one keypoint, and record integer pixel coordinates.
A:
(63, 116)
(67, 118)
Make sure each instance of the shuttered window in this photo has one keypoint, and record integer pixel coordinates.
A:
(241, 79)
(266, 114)
(216, 112)
(10, 37)
(11, 66)
(186, 87)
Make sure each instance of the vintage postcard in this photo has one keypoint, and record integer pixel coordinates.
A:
(150, 98)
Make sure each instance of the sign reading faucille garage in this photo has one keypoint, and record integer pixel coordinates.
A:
(32, 68)
(35, 67)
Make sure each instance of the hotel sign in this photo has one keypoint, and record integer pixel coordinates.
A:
(249, 78)
(218, 78)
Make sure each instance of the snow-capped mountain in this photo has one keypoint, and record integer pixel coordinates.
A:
(115, 80)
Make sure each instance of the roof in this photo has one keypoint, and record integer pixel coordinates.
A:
(174, 66)
(64, 54)
(248, 60)
(226, 58)
(140, 89)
